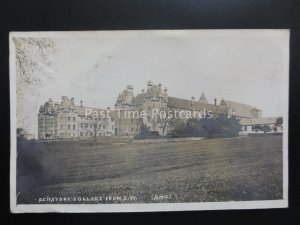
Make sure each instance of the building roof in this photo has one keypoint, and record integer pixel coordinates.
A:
(154, 91)
(203, 99)
(188, 105)
(80, 110)
(139, 99)
(258, 121)
(66, 104)
(240, 109)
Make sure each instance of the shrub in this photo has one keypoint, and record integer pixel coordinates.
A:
(220, 126)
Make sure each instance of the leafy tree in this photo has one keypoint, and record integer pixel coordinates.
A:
(279, 122)
(266, 128)
(210, 127)
(145, 132)
(20, 134)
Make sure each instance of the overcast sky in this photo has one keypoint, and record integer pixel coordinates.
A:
(247, 66)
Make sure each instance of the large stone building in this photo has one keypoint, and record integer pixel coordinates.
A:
(156, 97)
(66, 120)
(134, 112)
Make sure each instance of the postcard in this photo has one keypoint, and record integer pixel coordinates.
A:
(149, 120)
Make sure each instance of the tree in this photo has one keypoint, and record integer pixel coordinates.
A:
(168, 122)
(33, 57)
(20, 134)
(279, 122)
(210, 127)
(266, 128)
(164, 119)
(31, 54)
(96, 126)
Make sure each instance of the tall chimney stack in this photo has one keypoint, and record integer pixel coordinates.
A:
(215, 101)
(165, 91)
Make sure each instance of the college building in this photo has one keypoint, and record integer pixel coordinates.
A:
(67, 120)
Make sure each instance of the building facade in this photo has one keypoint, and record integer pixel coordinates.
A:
(132, 113)
(262, 125)
(156, 98)
(66, 120)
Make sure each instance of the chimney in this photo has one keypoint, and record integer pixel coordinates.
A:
(149, 84)
(165, 91)
(215, 101)
(203, 99)
(63, 98)
(130, 89)
(193, 100)
(81, 103)
(50, 101)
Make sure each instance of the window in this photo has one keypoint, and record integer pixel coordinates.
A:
(81, 125)
(86, 125)
(91, 125)
(104, 127)
(61, 126)
(74, 127)
(69, 118)
(81, 134)
(69, 127)
(74, 119)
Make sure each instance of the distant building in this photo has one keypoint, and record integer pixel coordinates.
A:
(156, 97)
(262, 125)
(241, 110)
(66, 120)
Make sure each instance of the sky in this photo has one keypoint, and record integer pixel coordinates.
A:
(247, 66)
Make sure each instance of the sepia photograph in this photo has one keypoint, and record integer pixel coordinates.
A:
(149, 120)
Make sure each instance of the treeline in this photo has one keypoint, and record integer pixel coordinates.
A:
(220, 126)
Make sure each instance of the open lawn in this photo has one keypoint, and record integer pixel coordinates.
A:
(189, 171)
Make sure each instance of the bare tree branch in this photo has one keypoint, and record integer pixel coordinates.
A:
(30, 52)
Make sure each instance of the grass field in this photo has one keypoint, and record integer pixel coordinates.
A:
(191, 171)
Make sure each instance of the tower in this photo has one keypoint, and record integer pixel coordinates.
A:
(203, 99)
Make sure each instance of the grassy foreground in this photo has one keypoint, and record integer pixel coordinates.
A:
(117, 171)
